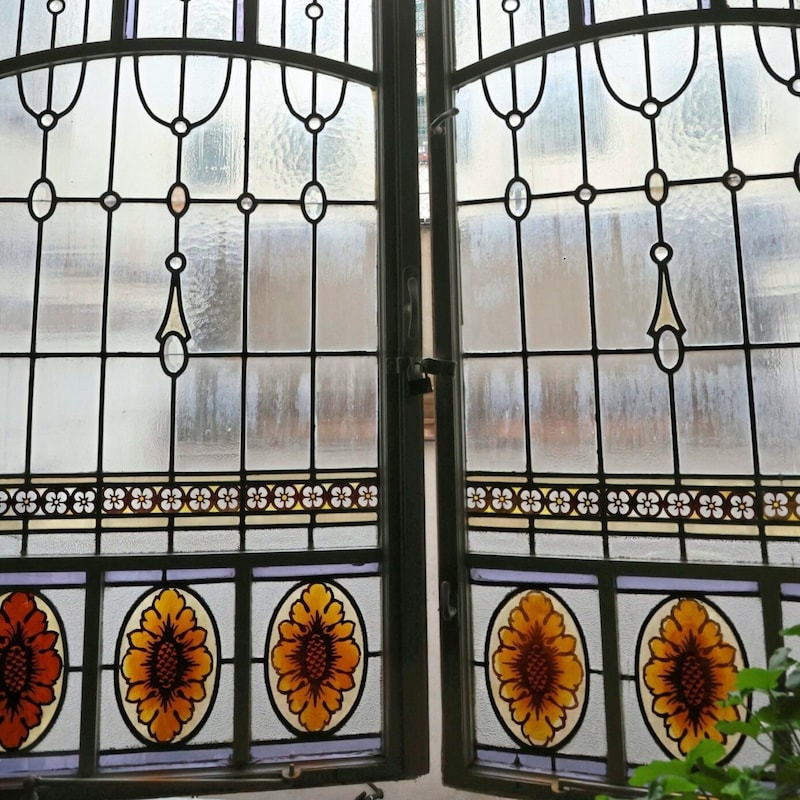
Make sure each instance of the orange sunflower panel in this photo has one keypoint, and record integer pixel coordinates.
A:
(688, 659)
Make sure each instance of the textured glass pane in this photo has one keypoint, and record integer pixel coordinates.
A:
(66, 405)
(70, 22)
(711, 408)
(346, 412)
(212, 239)
(562, 414)
(13, 413)
(776, 389)
(66, 87)
(8, 31)
(556, 276)
(495, 23)
(18, 246)
(71, 279)
(208, 421)
(635, 415)
(37, 26)
(20, 164)
(211, 19)
(770, 233)
(616, 9)
(99, 21)
(279, 315)
(278, 413)
(347, 241)
(136, 423)
(494, 414)
(626, 279)
(466, 32)
(671, 61)
(138, 282)
(489, 279)
(698, 224)
(157, 18)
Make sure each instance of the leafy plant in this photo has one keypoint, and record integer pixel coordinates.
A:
(774, 725)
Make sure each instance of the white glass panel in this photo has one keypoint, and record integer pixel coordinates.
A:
(137, 415)
(278, 413)
(616, 9)
(21, 160)
(494, 414)
(346, 412)
(635, 415)
(66, 407)
(711, 408)
(347, 255)
(562, 414)
(466, 32)
(70, 21)
(99, 21)
(18, 246)
(37, 26)
(66, 86)
(495, 24)
(8, 31)
(13, 413)
(489, 279)
(157, 18)
(211, 19)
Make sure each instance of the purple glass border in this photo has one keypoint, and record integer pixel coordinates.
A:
(309, 570)
(34, 765)
(130, 17)
(790, 590)
(516, 577)
(174, 759)
(642, 583)
(357, 747)
(42, 579)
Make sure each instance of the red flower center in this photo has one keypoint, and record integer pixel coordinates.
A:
(166, 665)
(16, 666)
(316, 656)
(692, 681)
(536, 665)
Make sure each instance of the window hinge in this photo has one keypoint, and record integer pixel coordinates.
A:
(446, 608)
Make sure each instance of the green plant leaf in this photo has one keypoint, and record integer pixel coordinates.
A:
(757, 679)
(793, 631)
(793, 677)
(747, 788)
(705, 750)
(675, 784)
(779, 659)
(658, 769)
(749, 727)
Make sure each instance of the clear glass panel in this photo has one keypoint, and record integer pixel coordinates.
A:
(66, 408)
(278, 413)
(18, 245)
(346, 412)
(562, 414)
(13, 413)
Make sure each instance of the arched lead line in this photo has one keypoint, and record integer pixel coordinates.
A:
(226, 86)
(762, 56)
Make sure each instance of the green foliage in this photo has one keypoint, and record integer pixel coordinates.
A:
(774, 725)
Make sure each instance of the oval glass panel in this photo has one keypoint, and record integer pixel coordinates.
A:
(668, 349)
(518, 198)
(656, 186)
(178, 199)
(33, 664)
(173, 354)
(688, 658)
(316, 658)
(536, 668)
(41, 200)
(167, 665)
(313, 202)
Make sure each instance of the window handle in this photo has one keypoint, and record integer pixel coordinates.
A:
(448, 611)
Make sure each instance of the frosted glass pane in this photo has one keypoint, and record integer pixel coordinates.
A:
(278, 413)
(211, 19)
(466, 32)
(212, 239)
(556, 276)
(618, 145)
(671, 59)
(770, 233)
(711, 407)
(494, 414)
(157, 18)
(489, 279)
(70, 22)
(698, 224)
(139, 282)
(99, 22)
(18, 246)
(495, 24)
(137, 416)
(626, 279)
(20, 165)
(209, 415)
(13, 413)
(8, 32)
(66, 87)
(635, 415)
(562, 414)
(346, 412)
(37, 26)
(616, 9)
(78, 146)
(71, 279)
(347, 314)
(66, 407)
(279, 294)
(776, 388)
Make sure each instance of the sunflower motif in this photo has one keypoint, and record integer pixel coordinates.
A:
(687, 665)
(536, 668)
(315, 654)
(31, 669)
(167, 672)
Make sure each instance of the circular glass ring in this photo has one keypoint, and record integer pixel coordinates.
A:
(180, 126)
(176, 262)
(661, 252)
(514, 120)
(55, 6)
(246, 203)
(314, 10)
(47, 119)
(315, 123)
(585, 194)
(794, 85)
(734, 179)
(650, 108)
(110, 200)
(510, 6)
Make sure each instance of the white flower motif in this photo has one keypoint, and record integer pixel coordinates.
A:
(312, 496)
(776, 504)
(341, 496)
(141, 498)
(199, 498)
(588, 502)
(114, 499)
(502, 499)
(83, 502)
(284, 497)
(618, 502)
(476, 497)
(530, 501)
(257, 497)
(55, 502)
(742, 506)
(227, 498)
(679, 504)
(4, 504)
(367, 496)
(171, 499)
(647, 504)
(558, 501)
(710, 506)
(26, 502)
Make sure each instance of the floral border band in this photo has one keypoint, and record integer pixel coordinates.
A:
(329, 496)
(680, 503)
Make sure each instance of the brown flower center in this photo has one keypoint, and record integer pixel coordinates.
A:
(316, 656)
(15, 668)
(693, 681)
(537, 669)
(166, 665)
